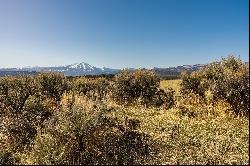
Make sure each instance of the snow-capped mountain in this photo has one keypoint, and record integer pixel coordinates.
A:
(78, 69)
(81, 66)
(68, 70)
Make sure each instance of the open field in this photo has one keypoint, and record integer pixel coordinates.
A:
(175, 84)
(132, 118)
(209, 139)
(124, 82)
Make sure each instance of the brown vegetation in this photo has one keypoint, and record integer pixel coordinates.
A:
(128, 119)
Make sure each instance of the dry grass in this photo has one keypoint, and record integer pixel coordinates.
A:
(209, 139)
(214, 136)
(175, 84)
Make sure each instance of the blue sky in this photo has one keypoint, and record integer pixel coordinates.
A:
(122, 33)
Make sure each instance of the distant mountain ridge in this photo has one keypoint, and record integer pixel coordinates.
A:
(78, 69)
(75, 69)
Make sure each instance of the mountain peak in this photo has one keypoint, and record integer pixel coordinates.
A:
(82, 65)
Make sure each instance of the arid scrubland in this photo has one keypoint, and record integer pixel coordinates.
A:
(133, 118)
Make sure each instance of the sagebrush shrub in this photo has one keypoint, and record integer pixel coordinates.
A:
(23, 109)
(14, 91)
(97, 88)
(77, 136)
(191, 83)
(129, 86)
(6, 157)
(226, 80)
(53, 85)
(102, 87)
(123, 88)
(82, 86)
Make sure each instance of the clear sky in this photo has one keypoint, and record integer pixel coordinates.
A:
(122, 33)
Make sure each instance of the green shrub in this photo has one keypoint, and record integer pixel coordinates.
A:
(191, 83)
(23, 110)
(82, 86)
(14, 94)
(123, 87)
(101, 87)
(14, 91)
(146, 84)
(78, 136)
(129, 86)
(97, 88)
(227, 80)
(52, 85)
(164, 98)
(6, 157)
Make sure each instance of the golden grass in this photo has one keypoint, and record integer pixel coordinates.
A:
(220, 138)
(175, 84)
(213, 137)
(185, 140)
